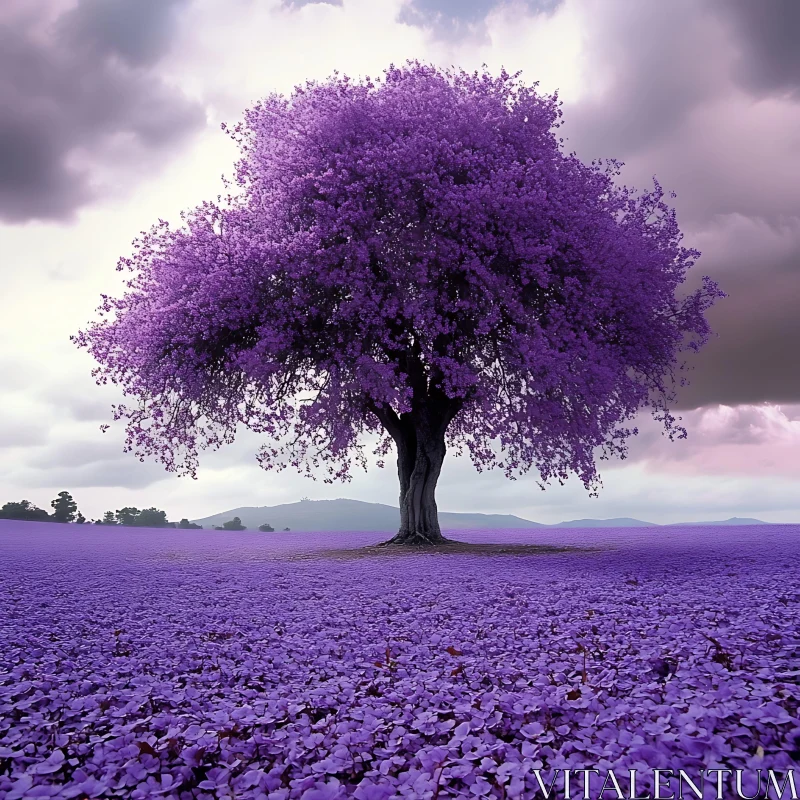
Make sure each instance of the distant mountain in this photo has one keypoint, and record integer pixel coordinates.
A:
(352, 515)
(617, 522)
(731, 521)
(355, 515)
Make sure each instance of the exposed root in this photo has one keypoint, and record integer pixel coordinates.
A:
(417, 542)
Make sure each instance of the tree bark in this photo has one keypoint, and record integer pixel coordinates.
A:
(420, 454)
(419, 464)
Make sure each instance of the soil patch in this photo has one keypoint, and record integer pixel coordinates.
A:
(450, 547)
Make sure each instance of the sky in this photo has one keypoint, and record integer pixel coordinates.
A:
(110, 115)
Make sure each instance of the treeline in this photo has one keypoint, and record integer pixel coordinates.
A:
(65, 510)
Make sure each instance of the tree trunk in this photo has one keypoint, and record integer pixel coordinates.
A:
(420, 454)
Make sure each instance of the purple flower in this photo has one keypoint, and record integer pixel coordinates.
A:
(374, 734)
(420, 250)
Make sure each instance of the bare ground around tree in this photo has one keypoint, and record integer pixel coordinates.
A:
(450, 547)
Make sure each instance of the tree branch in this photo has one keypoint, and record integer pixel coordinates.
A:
(387, 417)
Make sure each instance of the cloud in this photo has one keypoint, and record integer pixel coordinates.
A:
(78, 453)
(24, 420)
(754, 357)
(659, 92)
(81, 400)
(139, 32)
(738, 242)
(456, 19)
(732, 155)
(21, 434)
(663, 91)
(124, 473)
(17, 373)
(665, 498)
(645, 67)
(767, 33)
(742, 434)
(78, 88)
(292, 4)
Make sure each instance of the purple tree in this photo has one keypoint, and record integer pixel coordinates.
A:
(417, 258)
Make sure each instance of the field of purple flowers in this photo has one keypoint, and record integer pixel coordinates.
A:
(198, 664)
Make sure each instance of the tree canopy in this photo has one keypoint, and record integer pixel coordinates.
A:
(234, 524)
(133, 517)
(24, 510)
(64, 507)
(416, 258)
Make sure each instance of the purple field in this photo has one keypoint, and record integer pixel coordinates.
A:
(206, 664)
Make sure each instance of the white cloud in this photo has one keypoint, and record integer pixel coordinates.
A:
(545, 47)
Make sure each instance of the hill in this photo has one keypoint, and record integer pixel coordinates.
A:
(352, 515)
(355, 515)
(730, 521)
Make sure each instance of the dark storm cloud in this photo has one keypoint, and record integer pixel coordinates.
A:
(647, 65)
(87, 81)
(452, 18)
(754, 359)
(659, 62)
(665, 85)
(138, 32)
(768, 33)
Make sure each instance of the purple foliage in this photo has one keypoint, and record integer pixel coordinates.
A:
(166, 663)
(421, 260)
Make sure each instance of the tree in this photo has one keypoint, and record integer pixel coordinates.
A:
(64, 507)
(109, 518)
(416, 258)
(24, 510)
(266, 528)
(80, 519)
(147, 518)
(186, 525)
(127, 516)
(234, 524)
(152, 518)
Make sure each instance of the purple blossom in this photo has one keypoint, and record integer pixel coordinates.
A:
(415, 258)
(186, 714)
